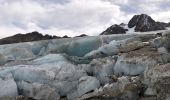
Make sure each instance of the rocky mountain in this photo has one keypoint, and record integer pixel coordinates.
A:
(114, 29)
(140, 23)
(144, 23)
(33, 36)
(105, 67)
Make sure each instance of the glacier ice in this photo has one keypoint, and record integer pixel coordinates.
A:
(103, 69)
(3, 59)
(76, 66)
(85, 84)
(38, 91)
(8, 87)
(18, 53)
(50, 58)
(37, 47)
(129, 66)
(83, 46)
(109, 49)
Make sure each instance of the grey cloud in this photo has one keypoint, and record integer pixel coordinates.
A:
(62, 15)
(74, 16)
(143, 6)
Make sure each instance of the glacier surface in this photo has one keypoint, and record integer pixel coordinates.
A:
(73, 67)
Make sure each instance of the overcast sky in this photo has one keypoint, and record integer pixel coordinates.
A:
(74, 17)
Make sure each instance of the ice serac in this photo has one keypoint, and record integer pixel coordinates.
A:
(113, 48)
(8, 87)
(38, 91)
(86, 84)
(66, 76)
(136, 62)
(3, 59)
(17, 53)
(103, 69)
(109, 49)
(75, 47)
(128, 66)
(38, 48)
(55, 73)
(83, 46)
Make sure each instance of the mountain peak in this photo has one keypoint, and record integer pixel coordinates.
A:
(143, 23)
(114, 29)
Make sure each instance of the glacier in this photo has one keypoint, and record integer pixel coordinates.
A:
(83, 67)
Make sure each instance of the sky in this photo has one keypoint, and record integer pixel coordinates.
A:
(74, 17)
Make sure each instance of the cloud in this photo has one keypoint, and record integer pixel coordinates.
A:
(74, 17)
(61, 16)
(142, 6)
(161, 16)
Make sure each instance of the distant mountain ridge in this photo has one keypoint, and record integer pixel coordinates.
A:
(33, 36)
(140, 23)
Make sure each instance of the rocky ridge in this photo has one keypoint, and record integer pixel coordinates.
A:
(28, 37)
(33, 36)
(140, 23)
(114, 29)
(144, 23)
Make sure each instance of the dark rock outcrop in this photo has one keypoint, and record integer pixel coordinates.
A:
(162, 24)
(65, 36)
(33, 36)
(143, 23)
(82, 35)
(168, 24)
(114, 29)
